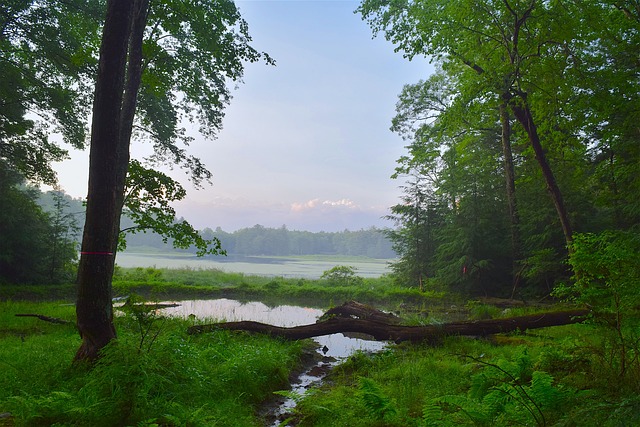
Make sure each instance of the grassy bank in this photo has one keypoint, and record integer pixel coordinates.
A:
(187, 283)
(561, 376)
(190, 283)
(171, 379)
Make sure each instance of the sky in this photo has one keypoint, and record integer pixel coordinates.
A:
(305, 143)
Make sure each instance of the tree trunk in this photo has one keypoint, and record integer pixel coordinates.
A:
(387, 332)
(129, 103)
(510, 180)
(354, 309)
(523, 115)
(353, 317)
(93, 307)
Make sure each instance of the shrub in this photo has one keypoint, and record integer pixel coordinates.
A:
(607, 279)
(342, 275)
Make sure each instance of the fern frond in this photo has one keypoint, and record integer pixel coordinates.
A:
(377, 403)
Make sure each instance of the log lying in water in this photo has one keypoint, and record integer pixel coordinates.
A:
(386, 332)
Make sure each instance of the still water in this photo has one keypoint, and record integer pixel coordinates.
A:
(229, 310)
(307, 268)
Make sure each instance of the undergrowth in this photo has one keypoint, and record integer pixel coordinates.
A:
(547, 378)
(174, 379)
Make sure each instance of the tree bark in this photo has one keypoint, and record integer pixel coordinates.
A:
(523, 114)
(396, 333)
(354, 309)
(129, 103)
(94, 308)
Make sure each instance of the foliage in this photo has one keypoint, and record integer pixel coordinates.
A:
(504, 393)
(218, 379)
(547, 378)
(607, 279)
(342, 275)
(36, 246)
(541, 95)
(378, 405)
(47, 58)
(147, 202)
(147, 318)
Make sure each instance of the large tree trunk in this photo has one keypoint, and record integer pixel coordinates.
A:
(383, 331)
(129, 103)
(523, 115)
(93, 308)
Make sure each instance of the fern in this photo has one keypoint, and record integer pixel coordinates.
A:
(471, 408)
(504, 393)
(376, 402)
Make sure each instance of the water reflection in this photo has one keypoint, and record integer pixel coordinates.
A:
(223, 309)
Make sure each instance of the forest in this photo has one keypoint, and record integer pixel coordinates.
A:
(523, 148)
(259, 240)
(519, 198)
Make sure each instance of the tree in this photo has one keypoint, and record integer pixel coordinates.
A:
(35, 247)
(454, 150)
(566, 74)
(46, 61)
(414, 241)
(507, 47)
(178, 57)
(62, 241)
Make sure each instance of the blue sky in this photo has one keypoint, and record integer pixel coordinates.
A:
(305, 143)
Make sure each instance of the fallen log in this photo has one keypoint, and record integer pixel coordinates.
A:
(45, 318)
(397, 333)
(356, 310)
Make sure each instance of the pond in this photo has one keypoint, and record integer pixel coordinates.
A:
(338, 346)
(332, 348)
(307, 268)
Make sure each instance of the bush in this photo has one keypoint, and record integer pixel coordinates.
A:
(607, 279)
(342, 275)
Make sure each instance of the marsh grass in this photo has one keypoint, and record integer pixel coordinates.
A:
(211, 283)
(211, 379)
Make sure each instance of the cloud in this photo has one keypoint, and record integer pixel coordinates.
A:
(316, 204)
(312, 215)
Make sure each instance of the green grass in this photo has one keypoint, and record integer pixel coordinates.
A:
(560, 376)
(212, 283)
(558, 379)
(210, 379)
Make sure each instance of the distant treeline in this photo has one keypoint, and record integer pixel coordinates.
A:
(259, 240)
(256, 240)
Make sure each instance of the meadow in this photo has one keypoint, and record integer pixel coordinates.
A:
(156, 374)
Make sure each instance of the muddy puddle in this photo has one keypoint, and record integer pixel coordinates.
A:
(331, 349)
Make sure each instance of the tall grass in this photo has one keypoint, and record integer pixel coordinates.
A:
(211, 379)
